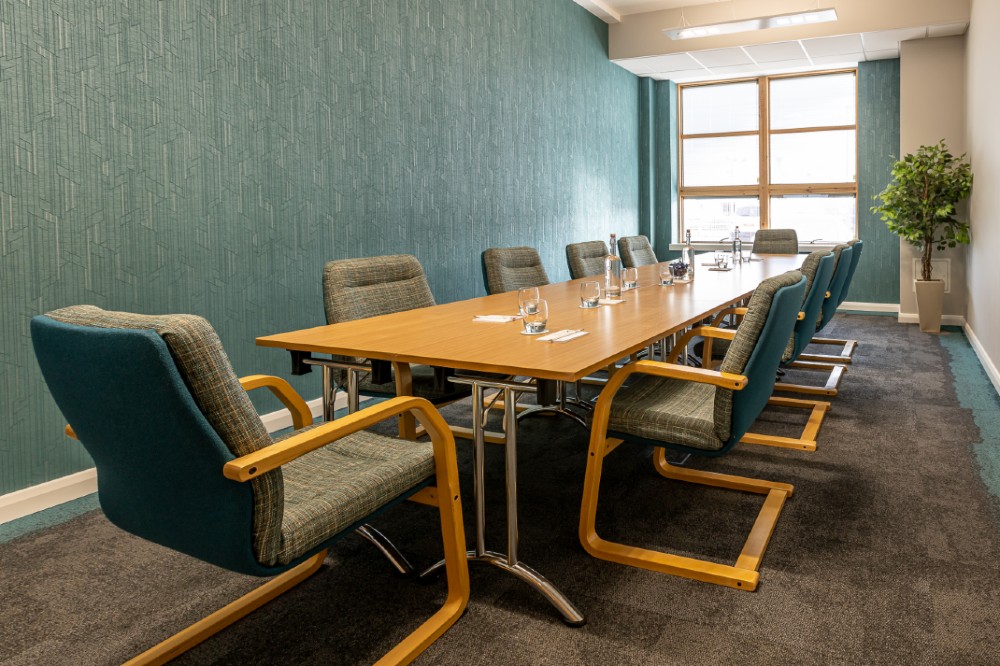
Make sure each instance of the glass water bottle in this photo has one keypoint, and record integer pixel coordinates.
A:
(613, 272)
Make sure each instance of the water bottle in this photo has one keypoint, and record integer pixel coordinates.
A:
(613, 272)
(737, 247)
(687, 255)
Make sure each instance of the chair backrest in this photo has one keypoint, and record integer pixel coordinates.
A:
(156, 403)
(586, 259)
(755, 352)
(512, 268)
(857, 246)
(843, 255)
(362, 288)
(817, 269)
(776, 241)
(636, 251)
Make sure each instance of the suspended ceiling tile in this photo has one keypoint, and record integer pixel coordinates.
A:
(737, 70)
(822, 47)
(674, 62)
(884, 40)
(722, 57)
(683, 75)
(635, 65)
(843, 59)
(778, 52)
(882, 55)
(947, 30)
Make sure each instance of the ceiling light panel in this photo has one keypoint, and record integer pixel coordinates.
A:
(748, 25)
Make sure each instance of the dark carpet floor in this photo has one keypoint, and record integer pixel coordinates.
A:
(886, 554)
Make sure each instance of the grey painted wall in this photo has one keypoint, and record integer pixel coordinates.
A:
(209, 158)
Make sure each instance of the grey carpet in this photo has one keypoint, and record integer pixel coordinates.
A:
(886, 554)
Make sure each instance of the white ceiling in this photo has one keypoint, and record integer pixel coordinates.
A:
(785, 56)
(788, 56)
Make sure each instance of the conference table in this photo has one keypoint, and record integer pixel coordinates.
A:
(447, 336)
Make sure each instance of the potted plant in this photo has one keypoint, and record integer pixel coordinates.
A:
(919, 206)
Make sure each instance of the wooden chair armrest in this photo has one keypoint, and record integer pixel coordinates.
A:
(602, 410)
(703, 331)
(301, 415)
(70, 433)
(722, 314)
(254, 464)
(687, 373)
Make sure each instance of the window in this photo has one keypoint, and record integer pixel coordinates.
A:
(770, 152)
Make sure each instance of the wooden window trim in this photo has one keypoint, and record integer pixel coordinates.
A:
(763, 190)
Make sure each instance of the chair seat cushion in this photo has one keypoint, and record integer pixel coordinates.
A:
(332, 488)
(667, 410)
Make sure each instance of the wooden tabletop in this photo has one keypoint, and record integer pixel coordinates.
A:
(445, 335)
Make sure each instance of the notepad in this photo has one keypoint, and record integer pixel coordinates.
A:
(564, 335)
(496, 319)
(611, 301)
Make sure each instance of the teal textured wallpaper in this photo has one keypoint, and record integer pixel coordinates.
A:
(210, 157)
(877, 277)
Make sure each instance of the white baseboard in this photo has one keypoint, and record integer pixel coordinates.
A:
(946, 320)
(984, 359)
(868, 307)
(46, 495)
(27, 501)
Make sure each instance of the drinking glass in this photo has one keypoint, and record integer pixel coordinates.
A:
(666, 275)
(536, 316)
(525, 295)
(590, 294)
(720, 259)
(630, 278)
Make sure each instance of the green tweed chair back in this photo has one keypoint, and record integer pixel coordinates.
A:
(756, 352)
(817, 269)
(842, 256)
(156, 403)
(857, 246)
(586, 259)
(636, 251)
(776, 241)
(707, 420)
(512, 268)
(362, 288)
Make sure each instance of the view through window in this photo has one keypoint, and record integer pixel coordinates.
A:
(796, 168)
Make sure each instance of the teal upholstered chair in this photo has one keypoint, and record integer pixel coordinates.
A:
(776, 241)
(184, 461)
(843, 268)
(857, 246)
(369, 287)
(702, 412)
(586, 259)
(817, 268)
(512, 268)
(636, 251)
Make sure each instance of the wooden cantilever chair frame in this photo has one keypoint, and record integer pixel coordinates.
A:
(835, 296)
(445, 496)
(807, 440)
(744, 573)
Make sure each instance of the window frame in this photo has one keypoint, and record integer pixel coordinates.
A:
(764, 189)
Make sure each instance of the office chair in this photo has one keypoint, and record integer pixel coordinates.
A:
(183, 460)
(701, 412)
(636, 251)
(512, 268)
(817, 269)
(586, 259)
(776, 241)
(369, 287)
(844, 263)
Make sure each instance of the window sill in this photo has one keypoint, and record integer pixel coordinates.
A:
(709, 247)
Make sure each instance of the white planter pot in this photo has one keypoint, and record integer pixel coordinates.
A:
(930, 301)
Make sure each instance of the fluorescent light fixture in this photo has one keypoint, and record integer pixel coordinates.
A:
(747, 25)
